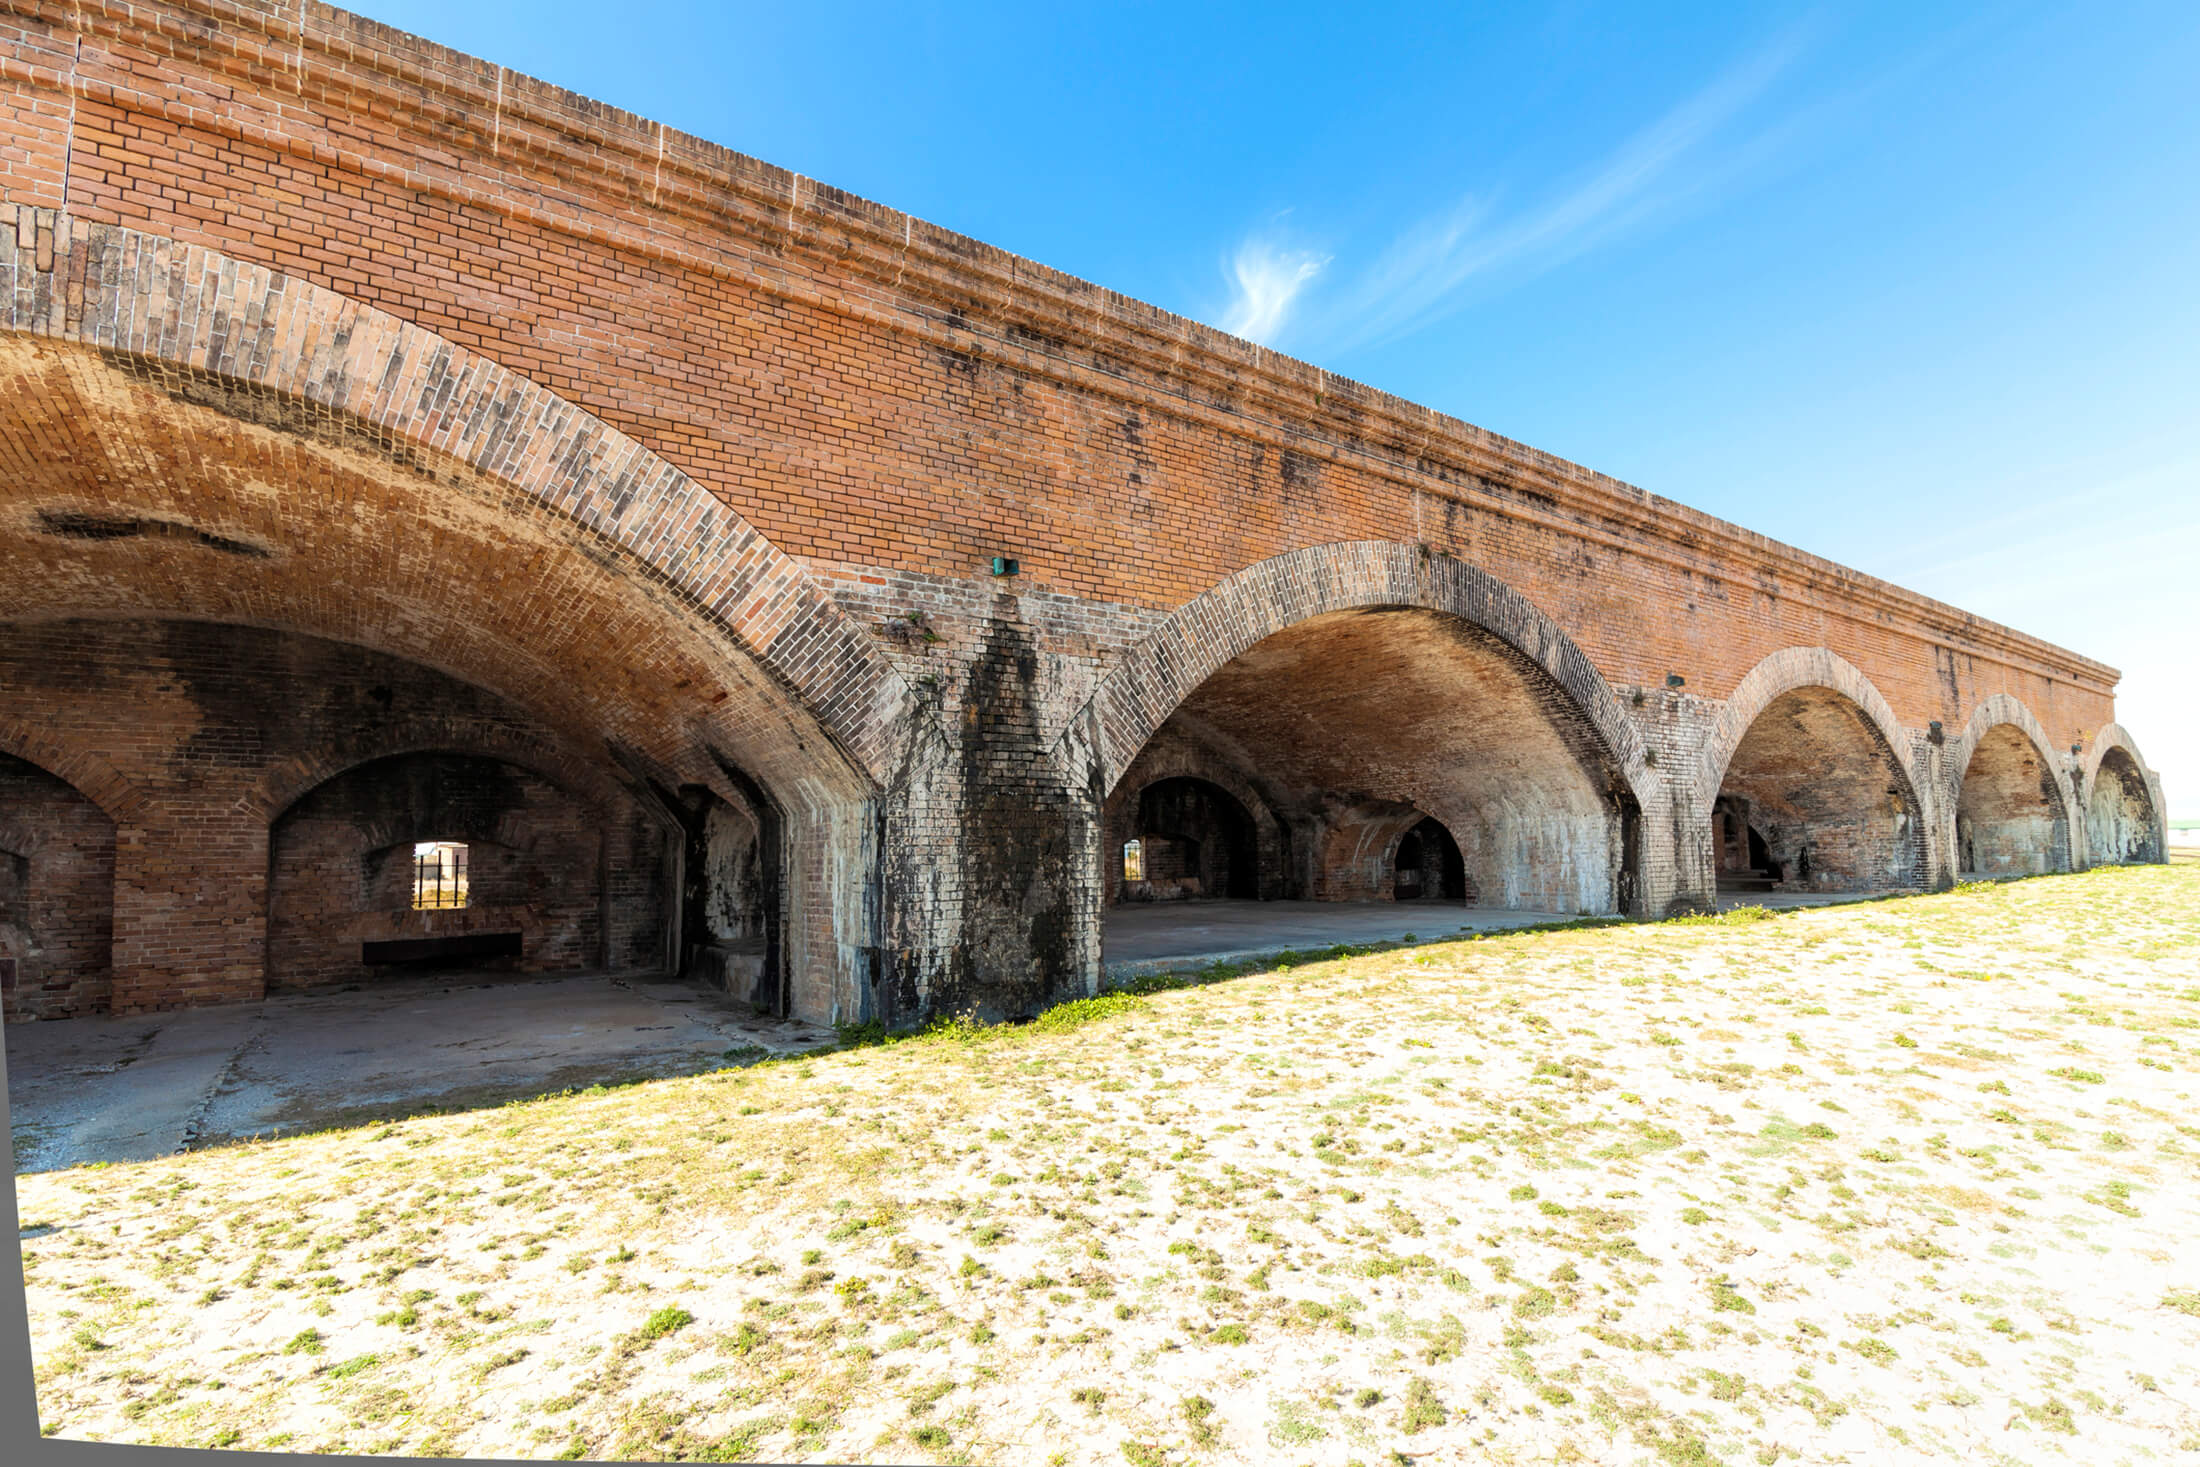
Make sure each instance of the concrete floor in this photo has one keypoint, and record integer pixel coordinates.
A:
(1156, 937)
(126, 1089)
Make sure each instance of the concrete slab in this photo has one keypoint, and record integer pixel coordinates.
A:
(82, 1090)
(1158, 937)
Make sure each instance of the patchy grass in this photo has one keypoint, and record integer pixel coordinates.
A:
(1909, 1177)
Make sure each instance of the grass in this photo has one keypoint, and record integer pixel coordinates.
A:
(1491, 1198)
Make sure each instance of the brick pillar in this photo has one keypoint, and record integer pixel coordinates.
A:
(988, 892)
(1677, 868)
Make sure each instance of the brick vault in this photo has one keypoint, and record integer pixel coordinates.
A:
(448, 520)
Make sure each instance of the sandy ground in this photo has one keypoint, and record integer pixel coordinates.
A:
(1904, 1180)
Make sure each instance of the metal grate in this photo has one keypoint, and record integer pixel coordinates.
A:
(439, 876)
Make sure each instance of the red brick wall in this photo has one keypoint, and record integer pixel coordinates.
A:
(625, 375)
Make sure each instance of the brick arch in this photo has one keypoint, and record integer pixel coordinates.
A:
(1269, 837)
(1996, 711)
(1999, 709)
(1784, 672)
(85, 772)
(2114, 738)
(179, 309)
(291, 780)
(1212, 629)
(2002, 710)
(1367, 837)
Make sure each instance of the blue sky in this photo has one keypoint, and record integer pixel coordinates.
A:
(1916, 287)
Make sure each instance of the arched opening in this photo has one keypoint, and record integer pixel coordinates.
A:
(1814, 800)
(550, 588)
(730, 918)
(2120, 823)
(1428, 866)
(57, 882)
(1404, 754)
(2010, 816)
(453, 863)
(1740, 858)
(1191, 840)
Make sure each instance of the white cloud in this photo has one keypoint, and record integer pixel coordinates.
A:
(1425, 269)
(1266, 279)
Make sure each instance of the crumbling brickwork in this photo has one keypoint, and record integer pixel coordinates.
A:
(700, 469)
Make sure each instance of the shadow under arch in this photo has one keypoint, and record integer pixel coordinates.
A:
(82, 770)
(2124, 818)
(1816, 685)
(1226, 620)
(2052, 848)
(1299, 589)
(292, 779)
(57, 875)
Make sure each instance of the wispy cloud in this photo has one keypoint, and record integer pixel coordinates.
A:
(1426, 270)
(1266, 279)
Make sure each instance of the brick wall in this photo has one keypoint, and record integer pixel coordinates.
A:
(342, 871)
(216, 730)
(831, 367)
(57, 877)
(314, 325)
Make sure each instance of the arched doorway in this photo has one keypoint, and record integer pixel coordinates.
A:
(2122, 826)
(1191, 839)
(1415, 730)
(1428, 867)
(1741, 861)
(2010, 816)
(1814, 799)
(57, 879)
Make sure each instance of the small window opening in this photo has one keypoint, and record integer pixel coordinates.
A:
(1134, 861)
(439, 875)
